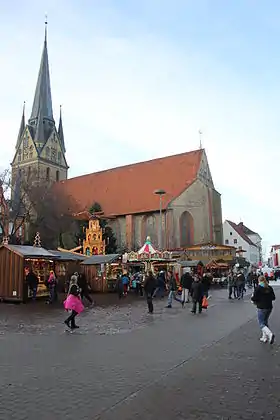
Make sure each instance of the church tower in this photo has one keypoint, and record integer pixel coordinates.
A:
(40, 147)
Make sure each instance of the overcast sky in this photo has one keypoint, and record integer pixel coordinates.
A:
(138, 78)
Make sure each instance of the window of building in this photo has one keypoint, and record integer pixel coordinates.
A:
(29, 172)
(230, 233)
(226, 241)
(48, 174)
(57, 175)
(47, 151)
(11, 227)
(59, 157)
(235, 241)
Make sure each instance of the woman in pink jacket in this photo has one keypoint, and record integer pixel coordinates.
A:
(74, 304)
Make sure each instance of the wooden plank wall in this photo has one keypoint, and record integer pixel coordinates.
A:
(97, 284)
(11, 275)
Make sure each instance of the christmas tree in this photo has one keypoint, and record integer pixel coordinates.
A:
(37, 240)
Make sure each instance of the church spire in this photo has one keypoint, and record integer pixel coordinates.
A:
(43, 99)
(22, 126)
(60, 131)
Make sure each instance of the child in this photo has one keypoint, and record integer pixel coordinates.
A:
(73, 303)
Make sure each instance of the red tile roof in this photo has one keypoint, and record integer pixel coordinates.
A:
(239, 229)
(130, 189)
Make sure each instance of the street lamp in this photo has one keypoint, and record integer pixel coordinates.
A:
(160, 193)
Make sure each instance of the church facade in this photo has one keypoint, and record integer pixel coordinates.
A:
(40, 148)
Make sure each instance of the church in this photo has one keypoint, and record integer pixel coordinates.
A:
(172, 199)
(40, 149)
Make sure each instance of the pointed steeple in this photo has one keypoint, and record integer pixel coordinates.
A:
(43, 98)
(60, 131)
(22, 126)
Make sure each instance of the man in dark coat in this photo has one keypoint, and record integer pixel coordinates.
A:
(186, 283)
(149, 288)
(32, 281)
(83, 285)
(197, 295)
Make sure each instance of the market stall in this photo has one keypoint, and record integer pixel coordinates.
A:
(66, 264)
(101, 271)
(195, 266)
(14, 261)
(219, 271)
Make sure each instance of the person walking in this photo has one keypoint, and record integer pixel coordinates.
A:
(32, 281)
(231, 282)
(149, 288)
(263, 297)
(74, 304)
(172, 289)
(160, 283)
(240, 284)
(84, 288)
(186, 283)
(197, 294)
(125, 283)
(52, 283)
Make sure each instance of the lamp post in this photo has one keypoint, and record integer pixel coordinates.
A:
(160, 193)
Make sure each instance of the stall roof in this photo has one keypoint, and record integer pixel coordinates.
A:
(31, 251)
(68, 256)
(101, 259)
(194, 263)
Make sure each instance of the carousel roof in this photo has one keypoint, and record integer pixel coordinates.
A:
(147, 248)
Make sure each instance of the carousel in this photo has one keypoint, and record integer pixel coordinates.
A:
(148, 258)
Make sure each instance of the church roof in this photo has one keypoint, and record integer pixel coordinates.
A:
(43, 99)
(130, 189)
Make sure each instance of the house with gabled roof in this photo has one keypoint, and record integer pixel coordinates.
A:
(241, 236)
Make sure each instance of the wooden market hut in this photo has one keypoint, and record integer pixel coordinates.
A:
(13, 260)
(66, 264)
(101, 271)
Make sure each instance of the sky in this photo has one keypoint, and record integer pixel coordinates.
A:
(138, 79)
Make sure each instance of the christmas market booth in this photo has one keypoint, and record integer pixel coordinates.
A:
(102, 271)
(196, 266)
(148, 258)
(14, 261)
(66, 264)
(219, 271)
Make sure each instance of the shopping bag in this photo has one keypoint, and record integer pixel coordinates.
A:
(204, 302)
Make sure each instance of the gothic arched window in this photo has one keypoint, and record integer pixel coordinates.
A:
(48, 174)
(186, 229)
(149, 228)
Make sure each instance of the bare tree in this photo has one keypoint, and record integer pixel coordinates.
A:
(15, 208)
(30, 205)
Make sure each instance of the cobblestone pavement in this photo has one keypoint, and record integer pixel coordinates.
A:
(126, 364)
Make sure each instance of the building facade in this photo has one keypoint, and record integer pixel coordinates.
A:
(188, 212)
(40, 148)
(239, 236)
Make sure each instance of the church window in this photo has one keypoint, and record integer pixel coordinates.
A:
(48, 174)
(25, 141)
(48, 151)
(57, 175)
(19, 157)
(29, 172)
(53, 154)
(186, 229)
(30, 155)
(59, 157)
